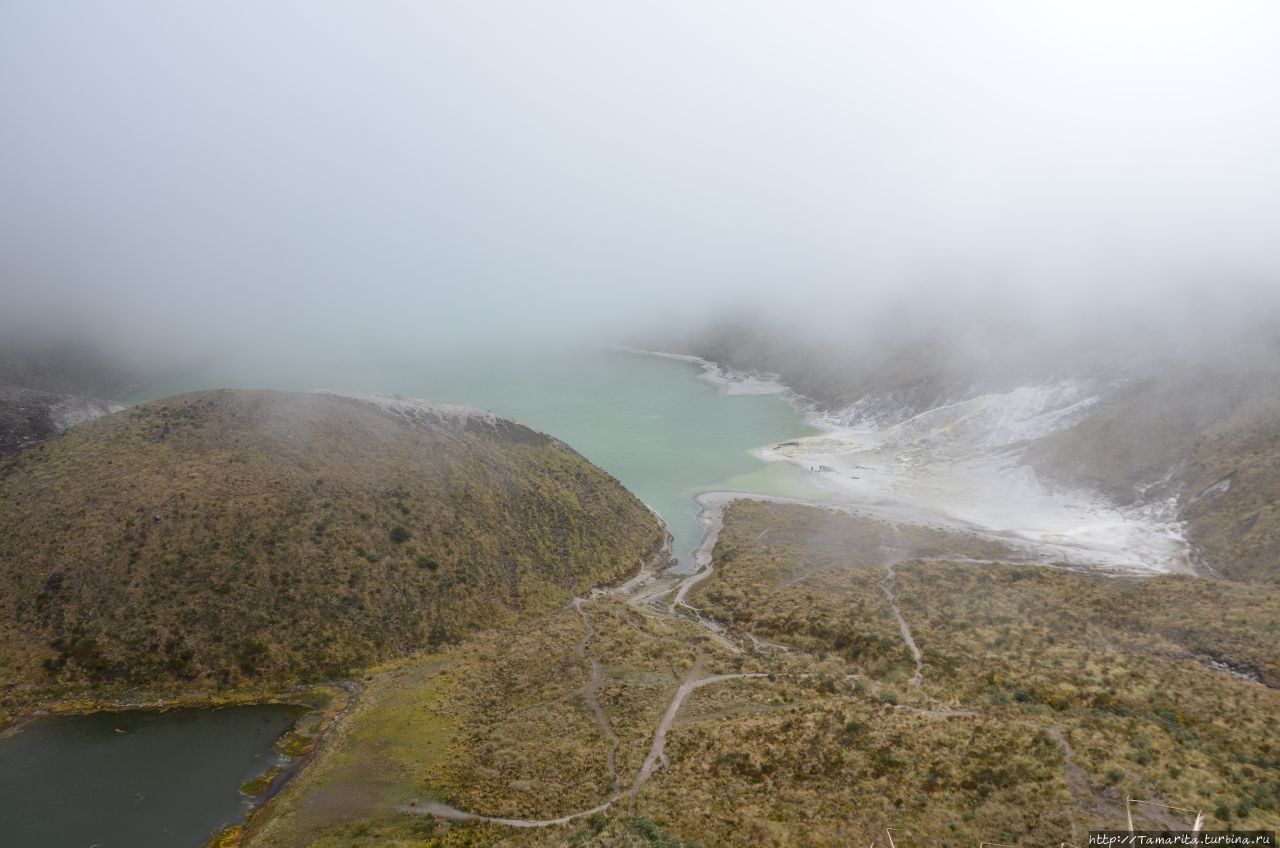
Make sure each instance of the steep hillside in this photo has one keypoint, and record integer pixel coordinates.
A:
(1207, 435)
(1178, 423)
(235, 538)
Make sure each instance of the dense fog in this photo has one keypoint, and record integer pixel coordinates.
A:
(185, 177)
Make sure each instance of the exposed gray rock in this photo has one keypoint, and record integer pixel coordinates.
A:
(29, 416)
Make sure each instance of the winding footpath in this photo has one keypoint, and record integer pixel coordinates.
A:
(657, 757)
(657, 750)
(444, 811)
(588, 693)
(889, 587)
(648, 589)
(645, 589)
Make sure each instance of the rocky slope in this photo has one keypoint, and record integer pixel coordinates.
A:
(45, 389)
(245, 538)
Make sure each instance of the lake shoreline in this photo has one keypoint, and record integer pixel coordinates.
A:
(88, 703)
(862, 469)
(320, 708)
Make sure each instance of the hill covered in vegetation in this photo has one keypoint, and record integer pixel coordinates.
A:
(1161, 689)
(860, 676)
(249, 538)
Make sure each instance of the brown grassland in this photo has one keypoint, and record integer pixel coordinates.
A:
(230, 545)
(1047, 697)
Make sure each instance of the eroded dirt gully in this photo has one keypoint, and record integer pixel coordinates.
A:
(889, 586)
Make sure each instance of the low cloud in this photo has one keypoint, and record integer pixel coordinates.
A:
(199, 175)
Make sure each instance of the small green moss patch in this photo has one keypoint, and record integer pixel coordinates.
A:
(259, 785)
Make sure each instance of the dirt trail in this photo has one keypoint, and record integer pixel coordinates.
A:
(588, 693)
(444, 811)
(657, 750)
(646, 590)
(710, 516)
(1100, 804)
(938, 713)
(762, 645)
(889, 587)
(657, 756)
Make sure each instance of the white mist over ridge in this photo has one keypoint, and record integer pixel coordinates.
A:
(76, 410)
(418, 409)
(993, 420)
(960, 465)
(727, 380)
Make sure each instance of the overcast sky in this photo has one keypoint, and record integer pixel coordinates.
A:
(406, 170)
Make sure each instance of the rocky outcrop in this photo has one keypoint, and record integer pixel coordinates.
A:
(29, 417)
(47, 388)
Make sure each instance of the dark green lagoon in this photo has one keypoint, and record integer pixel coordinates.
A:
(139, 779)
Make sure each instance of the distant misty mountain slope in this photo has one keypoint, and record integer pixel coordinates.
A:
(1205, 434)
(1188, 421)
(46, 388)
(28, 417)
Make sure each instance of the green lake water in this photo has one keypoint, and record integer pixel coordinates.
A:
(647, 420)
(139, 779)
(170, 779)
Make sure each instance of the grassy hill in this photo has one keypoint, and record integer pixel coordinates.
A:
(1044, 698)
(240, 539)
(1122, 687)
